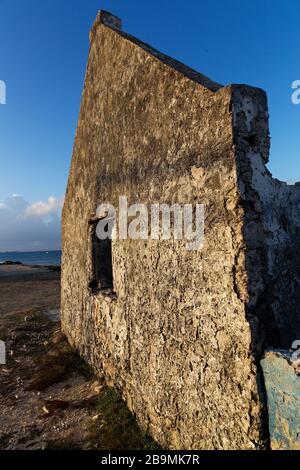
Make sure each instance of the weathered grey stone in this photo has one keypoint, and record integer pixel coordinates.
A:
(283, 390)
(184, 336)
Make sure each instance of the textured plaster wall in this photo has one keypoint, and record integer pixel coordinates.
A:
(272, 227)
(184, 336)
(281, 219)
(283, 388)
(271, 234)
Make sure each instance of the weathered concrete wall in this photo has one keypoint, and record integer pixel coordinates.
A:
(281, 222)
(272, 227)
(271, 288)
(283, 389)
(184, 336)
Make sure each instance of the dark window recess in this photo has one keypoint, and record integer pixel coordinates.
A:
(102, 262)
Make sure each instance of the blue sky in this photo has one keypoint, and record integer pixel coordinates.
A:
(44, 47)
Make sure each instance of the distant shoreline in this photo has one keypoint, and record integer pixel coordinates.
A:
(28, 252)
(50, 267)
(32, 258)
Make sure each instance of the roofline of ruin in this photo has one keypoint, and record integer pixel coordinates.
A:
(113, 22)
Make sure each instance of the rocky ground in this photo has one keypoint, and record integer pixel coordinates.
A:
(49, 399)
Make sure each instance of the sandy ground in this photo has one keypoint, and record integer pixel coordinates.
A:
(25, 287)
(49, 398)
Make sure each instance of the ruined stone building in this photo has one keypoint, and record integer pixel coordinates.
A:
(180, 333)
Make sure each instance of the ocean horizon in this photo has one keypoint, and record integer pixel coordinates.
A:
(43, 258)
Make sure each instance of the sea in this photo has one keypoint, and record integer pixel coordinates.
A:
(44, 258)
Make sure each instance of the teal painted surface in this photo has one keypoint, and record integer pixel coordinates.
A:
(283, 394)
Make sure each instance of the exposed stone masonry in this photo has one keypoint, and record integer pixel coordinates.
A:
(184, 336)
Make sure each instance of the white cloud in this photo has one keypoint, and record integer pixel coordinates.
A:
(28, 227)
(42, 209)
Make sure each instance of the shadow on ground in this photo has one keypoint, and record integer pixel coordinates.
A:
(49, 398)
